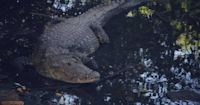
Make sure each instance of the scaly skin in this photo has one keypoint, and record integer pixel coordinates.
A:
(64, 45)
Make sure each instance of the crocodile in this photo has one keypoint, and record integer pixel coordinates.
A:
(64, 47)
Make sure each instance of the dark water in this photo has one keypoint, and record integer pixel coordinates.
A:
(137, 45)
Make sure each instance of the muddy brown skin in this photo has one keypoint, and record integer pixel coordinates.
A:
(63, 46)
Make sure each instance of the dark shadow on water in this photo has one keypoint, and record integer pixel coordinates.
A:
(127, 36)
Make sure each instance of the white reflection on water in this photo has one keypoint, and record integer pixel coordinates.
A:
(155, 85)
(67, 99)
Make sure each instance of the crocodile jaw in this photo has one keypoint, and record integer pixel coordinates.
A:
(90, 78)
(68, 69)
(74, 76)
(79, 73)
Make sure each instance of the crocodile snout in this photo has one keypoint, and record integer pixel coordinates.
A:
(93, 76)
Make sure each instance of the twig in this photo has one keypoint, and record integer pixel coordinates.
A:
(114, 75)
(63, 87)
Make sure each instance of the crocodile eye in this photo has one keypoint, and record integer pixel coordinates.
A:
(76, 59)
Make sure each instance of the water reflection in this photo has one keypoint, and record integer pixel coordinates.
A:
(67, 99)
(64, 7)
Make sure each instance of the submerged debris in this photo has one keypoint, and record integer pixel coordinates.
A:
(10, 97)
(184, 95)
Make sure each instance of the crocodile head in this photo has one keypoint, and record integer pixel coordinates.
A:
(68, 69)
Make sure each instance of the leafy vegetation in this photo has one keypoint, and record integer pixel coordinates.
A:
(182, 16)
(146, 11)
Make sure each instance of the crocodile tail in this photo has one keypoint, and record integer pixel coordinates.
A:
(125, 5)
